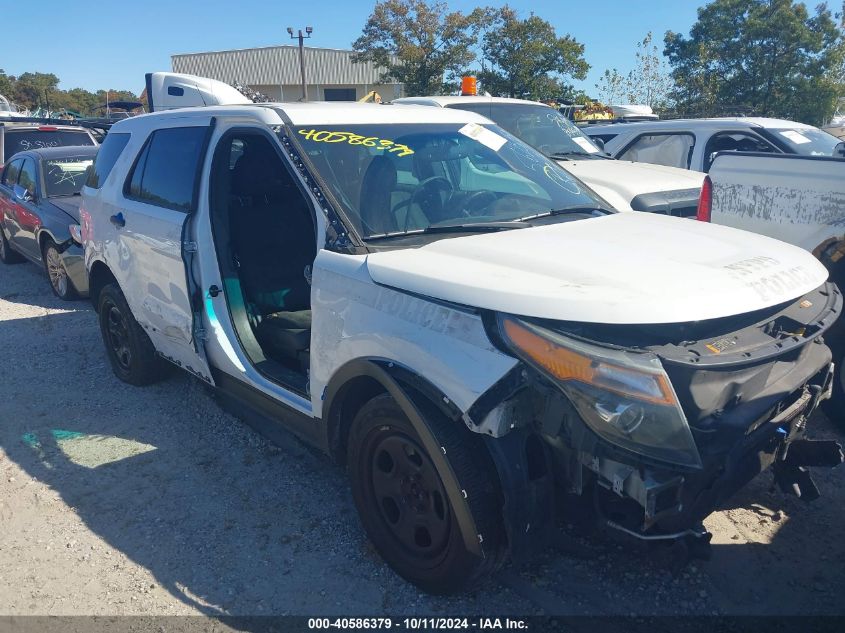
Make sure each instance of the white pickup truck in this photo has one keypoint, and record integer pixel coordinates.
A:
(797, 199)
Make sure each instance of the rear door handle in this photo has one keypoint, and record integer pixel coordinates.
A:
(118, 220)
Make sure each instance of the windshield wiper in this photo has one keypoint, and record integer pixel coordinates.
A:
(564, 211)
(569, 155)
(477, 227)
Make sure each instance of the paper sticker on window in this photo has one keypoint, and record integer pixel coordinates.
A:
(585, 144)
(484, 136)
(795, 137)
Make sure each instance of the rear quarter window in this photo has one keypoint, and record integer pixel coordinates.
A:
(107, 156)
(166, 171)
(21, 140)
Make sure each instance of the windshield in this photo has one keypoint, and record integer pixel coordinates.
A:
(807, 141)
(23, 139)
(540, 126)
(65, 176)
(399, 178)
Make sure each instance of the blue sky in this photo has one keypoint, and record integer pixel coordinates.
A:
(95, 45)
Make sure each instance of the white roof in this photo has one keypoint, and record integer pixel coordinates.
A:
(447, 100)
(308, 113)
(713, 123)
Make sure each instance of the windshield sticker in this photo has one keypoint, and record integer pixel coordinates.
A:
(327, 136)
(486, 137)
(585, 145)
(795, 137)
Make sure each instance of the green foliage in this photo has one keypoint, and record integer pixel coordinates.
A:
(649, 83)
(34, 91)
(419, 43)
(527, 58)
(771, 57)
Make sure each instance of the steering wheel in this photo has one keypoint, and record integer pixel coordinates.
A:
(477, 201)
(427, 187)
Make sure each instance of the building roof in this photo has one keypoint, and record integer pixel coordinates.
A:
(275, 65)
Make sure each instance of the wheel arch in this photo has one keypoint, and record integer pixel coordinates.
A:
(357, 382)
(99, 276)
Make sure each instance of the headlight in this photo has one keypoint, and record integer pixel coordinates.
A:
(76, 233)
(624, 397)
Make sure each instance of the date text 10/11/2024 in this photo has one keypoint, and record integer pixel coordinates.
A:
(416, 624)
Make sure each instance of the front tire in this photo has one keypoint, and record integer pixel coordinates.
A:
(403, 504)
(57, 273)
(131, 353)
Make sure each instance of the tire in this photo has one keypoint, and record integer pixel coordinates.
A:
(7, 255)
(403, 505)
(60, 282)
(131, 353)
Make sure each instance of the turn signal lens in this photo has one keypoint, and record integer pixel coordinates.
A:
(566, 364)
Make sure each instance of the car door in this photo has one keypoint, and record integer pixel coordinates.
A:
(27, 219)
(149, 219)
(672, 149)
(7, 198)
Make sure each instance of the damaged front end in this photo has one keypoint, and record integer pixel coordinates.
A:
(657, 424)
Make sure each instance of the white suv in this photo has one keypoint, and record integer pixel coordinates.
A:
(460, 322)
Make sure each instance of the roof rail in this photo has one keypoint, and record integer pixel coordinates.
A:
(97, 125)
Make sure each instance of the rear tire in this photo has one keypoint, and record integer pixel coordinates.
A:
(403, 504)
(7, 255)
(131, 353)
(57, 273)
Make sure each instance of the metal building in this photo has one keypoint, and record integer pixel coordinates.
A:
(330, 74)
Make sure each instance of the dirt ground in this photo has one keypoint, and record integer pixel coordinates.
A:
(117, 500)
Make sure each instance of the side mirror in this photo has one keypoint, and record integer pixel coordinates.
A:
(22, 194)
(839, 150)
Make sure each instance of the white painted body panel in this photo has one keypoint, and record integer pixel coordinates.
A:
(355, 318)
(791, 198)
(625, 180)
(624, 268)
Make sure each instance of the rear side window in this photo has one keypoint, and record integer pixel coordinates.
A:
(166, 171)
(672, 150)
(107, 156)
(23, 139)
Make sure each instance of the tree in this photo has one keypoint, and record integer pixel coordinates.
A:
(768, 56)
(419, 43)
(7, 84)
(648, 83)
(527, 58)
(33, 90)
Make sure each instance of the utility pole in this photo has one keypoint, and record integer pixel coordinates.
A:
(301, 38)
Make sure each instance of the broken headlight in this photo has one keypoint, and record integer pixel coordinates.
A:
(625, 397)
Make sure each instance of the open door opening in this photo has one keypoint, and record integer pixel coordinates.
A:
(265, 238)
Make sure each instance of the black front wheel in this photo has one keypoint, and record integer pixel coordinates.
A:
(131, 353)
(403, 503)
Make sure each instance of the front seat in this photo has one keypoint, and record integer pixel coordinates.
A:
(274, 246)
(377, 189)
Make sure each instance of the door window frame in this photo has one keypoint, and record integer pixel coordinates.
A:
(661, 133)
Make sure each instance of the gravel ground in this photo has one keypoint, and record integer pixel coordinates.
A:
(117, 500)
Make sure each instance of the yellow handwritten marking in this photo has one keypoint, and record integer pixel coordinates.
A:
(328, 136)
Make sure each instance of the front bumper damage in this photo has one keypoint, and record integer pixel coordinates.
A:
(748, 412)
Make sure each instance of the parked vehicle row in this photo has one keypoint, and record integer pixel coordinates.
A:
(474, 333)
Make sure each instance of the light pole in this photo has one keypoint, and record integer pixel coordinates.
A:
(301, 38)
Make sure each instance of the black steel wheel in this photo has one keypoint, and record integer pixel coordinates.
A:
(131, 353)
(403, 503)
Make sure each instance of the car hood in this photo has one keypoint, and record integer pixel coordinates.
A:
(70, 205)
(633, 179)
(624, 268)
